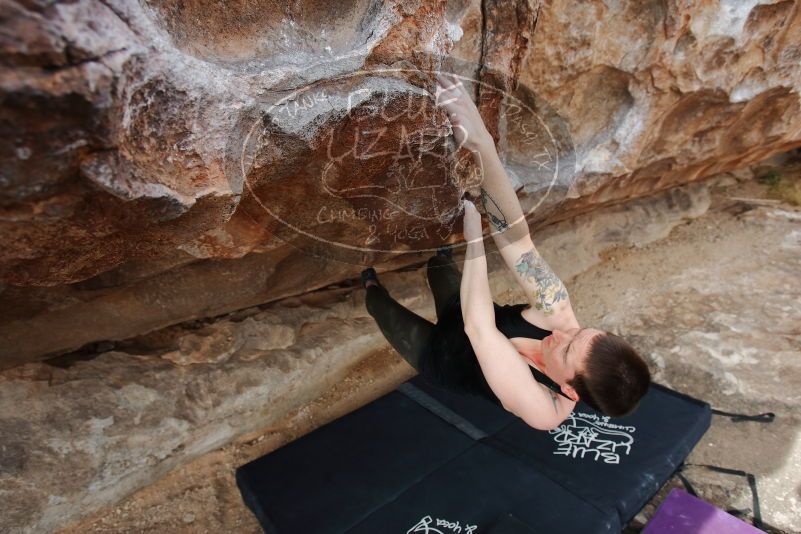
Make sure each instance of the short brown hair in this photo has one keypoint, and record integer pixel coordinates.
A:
(615, 377)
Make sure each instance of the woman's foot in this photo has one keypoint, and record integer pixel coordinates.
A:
(445, 251)
(369, 278)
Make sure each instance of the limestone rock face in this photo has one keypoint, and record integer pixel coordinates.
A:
(164, 161)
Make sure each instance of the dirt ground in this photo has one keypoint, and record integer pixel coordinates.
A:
(202, 496)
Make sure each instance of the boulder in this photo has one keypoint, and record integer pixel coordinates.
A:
(166, 161)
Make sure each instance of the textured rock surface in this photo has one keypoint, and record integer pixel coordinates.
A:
(115, 421)
(89, 428)
(715, 308)
(124, 207)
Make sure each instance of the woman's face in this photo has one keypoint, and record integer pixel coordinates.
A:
(564, 352)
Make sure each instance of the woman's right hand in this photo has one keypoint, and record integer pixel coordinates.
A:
(468, 126)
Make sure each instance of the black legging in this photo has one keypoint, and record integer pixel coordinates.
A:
(407, 332)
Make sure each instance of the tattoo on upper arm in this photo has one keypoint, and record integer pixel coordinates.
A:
(496, 217)
(550, 289)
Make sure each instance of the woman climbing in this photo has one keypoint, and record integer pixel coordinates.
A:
(534, 358)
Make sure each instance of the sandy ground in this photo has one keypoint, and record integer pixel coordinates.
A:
(202, 496)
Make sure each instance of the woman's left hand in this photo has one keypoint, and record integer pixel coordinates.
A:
(471, 222)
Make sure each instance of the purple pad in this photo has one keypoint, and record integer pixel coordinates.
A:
(681, 513)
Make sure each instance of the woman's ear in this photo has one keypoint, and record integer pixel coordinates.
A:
(570, 392)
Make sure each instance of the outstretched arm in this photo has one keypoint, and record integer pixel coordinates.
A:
(478, 310)
(498, 198)
(506, 372)
(514, 386)
(509, 228)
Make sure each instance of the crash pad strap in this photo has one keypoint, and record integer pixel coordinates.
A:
(766, 417)
(437, 408)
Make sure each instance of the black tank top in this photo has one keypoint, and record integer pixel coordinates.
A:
(451, 362)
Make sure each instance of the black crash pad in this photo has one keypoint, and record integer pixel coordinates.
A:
(421, 458)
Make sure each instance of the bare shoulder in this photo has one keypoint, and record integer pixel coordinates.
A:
(562, 319)
(544, 409)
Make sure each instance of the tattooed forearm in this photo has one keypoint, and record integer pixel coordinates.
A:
(496, 217)
(549, 288)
